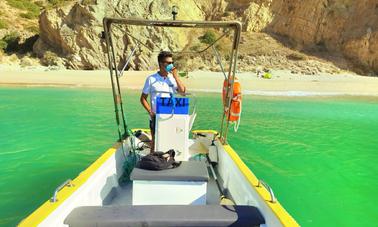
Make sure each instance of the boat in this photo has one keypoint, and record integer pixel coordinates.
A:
(212, 186)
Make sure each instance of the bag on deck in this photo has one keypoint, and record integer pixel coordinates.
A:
(159, 161)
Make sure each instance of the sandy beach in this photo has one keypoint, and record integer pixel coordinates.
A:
(283, 83)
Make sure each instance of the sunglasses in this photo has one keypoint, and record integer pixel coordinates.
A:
(168, 62)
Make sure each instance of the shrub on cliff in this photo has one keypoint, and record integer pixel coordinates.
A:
(208, 38)
(10, 42)
(31, 8)
(50, 58)
(3, 24)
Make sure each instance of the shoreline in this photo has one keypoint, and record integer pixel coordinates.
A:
(283, 83)
(245, 92)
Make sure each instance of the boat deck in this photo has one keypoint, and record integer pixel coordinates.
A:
(122, 195)
(184, 196)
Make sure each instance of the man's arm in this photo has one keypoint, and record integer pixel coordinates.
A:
(180, 86)
(145, 104)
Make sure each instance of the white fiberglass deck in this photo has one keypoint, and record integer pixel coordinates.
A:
(123, 193)
(97, 196)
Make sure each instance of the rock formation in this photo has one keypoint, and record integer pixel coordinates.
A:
(73, 32)
(347, 27)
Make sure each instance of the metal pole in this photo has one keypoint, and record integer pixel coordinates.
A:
(119, 96)
(230, 93)
(128, 60)
(227, 100)
(107, 38)
(219, 62)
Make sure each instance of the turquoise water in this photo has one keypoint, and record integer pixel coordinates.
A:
(318, 154)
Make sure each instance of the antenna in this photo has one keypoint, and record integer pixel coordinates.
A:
(174, 12)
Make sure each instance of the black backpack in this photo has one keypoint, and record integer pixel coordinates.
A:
(159, 161)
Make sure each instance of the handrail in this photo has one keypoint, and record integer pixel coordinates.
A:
(107, 21)
(67, 182)
(182, 52)
(181, 94)
(270, 190)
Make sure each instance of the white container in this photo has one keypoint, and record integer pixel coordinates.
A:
(213, 153)
(172, 132)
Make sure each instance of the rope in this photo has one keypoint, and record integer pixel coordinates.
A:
(131, 159)
(237, 124)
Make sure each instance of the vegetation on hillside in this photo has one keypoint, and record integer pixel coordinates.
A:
(21, 38)
(208, 38)
(9, 43)
(3, 24)
(32, 9)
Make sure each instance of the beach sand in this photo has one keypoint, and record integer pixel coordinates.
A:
(283, 83)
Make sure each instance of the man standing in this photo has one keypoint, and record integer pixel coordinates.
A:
(160, 84)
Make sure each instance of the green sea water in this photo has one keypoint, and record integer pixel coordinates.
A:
(319, 155)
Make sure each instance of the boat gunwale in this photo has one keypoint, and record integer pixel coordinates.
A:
(43, 211)
(283, 216)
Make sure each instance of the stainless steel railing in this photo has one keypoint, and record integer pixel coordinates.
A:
(67, 182)
(270, 190)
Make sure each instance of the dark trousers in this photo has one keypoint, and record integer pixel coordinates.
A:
(152, 125)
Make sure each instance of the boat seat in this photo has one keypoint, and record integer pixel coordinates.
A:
(165, 215)
(187, 171)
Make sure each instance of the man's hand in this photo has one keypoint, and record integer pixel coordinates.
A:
(174, 72)
(180, 85)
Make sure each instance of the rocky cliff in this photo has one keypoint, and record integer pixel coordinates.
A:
(73, 32)
(344, 27)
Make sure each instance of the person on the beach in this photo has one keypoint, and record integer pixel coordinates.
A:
(160, 84)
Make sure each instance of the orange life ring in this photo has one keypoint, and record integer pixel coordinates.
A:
(236, 102)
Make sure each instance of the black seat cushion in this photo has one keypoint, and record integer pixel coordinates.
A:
(165, 215)
(187, 171)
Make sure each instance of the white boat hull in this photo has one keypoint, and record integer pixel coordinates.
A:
(99, 185)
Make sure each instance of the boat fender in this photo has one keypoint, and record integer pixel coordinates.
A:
(143, 136)
(213, 153)
(145, 139)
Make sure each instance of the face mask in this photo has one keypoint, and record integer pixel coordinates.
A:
(169, 68)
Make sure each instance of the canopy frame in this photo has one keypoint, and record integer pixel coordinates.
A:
(115, 74)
